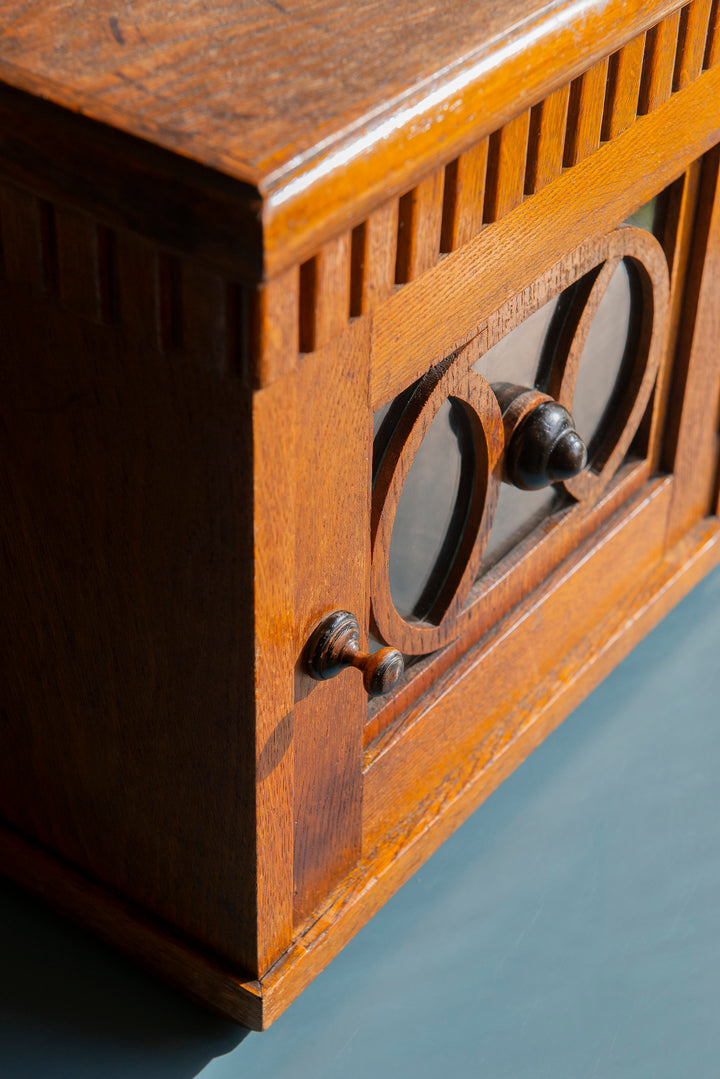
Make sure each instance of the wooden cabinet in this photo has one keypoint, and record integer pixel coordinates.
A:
(250, 257)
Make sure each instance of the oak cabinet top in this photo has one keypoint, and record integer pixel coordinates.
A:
(317, 106)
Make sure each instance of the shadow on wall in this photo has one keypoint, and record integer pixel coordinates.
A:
(71, 1007)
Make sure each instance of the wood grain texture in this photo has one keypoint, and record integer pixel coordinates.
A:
(659, 64)
(621, 175)
(139, 291)
(274, 451)
(206, 331)
(275, 328)
(382, 872)
(26, 229)
(623, 87)
(464, 197)
(332, 290)
(128, 738)
(691, 435)
(678, 207)
(332, 470)
(507, 155)
(420, 215)
(84, 267)
(257, 1003)
(546, 140)
(692, 37)
(403, 767)
(585, 113)
(374, 254)
(712, 44)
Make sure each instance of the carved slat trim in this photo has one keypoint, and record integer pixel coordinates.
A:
(84, 252)
(25, 229)
(419, 227)
(585, 113)
(374, 253)
(659, 64)
(712, 46)
(492, 177)
(506, 168)
(138, 290)
(623, 88)
(546, 141)
(305, 307)
(464, 197)
(692, 35)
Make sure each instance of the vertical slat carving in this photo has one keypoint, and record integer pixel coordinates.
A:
(506, 168)
(585, 113)
(546, 140)
(24, 228)
(464, 196)
(204, 304)
(692, 35)
(623, 88)
(659, 64)
(332, 289)
(274, 329)
(419, 228)
(84, 266)
(712, 44)
(374, 252)
(138, 286)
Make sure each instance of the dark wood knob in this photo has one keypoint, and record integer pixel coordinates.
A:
(541, 443)
(335, 645)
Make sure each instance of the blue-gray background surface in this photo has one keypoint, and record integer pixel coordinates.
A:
(569, 930)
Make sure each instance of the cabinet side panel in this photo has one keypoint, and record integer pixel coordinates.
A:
(127, 593)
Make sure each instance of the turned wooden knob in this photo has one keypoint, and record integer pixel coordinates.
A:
(541, 443)
(335, 645)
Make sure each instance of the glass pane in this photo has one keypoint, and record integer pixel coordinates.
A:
(517, 514)
(600, 372)
(428, 520)
(515, 358)
(645, 216)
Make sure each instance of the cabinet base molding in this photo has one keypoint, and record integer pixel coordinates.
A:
(257, 1003)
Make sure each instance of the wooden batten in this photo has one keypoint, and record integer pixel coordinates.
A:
(138, 290)
(712, 44)
(585, 113)
(374, 254)
(623, 88)
(658, 64)
(464, 197)
(85, 261)
(546, 141)
(27, 238)
(506, 168)
(692, 38)
(420, 215)
(206, 317)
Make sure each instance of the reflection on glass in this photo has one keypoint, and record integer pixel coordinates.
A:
(518, 513)
(424, 516)
(600, 375)
(645, 216)
(515, 357)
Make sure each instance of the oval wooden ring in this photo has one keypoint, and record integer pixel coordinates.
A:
(449, 380)
(647, 260)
